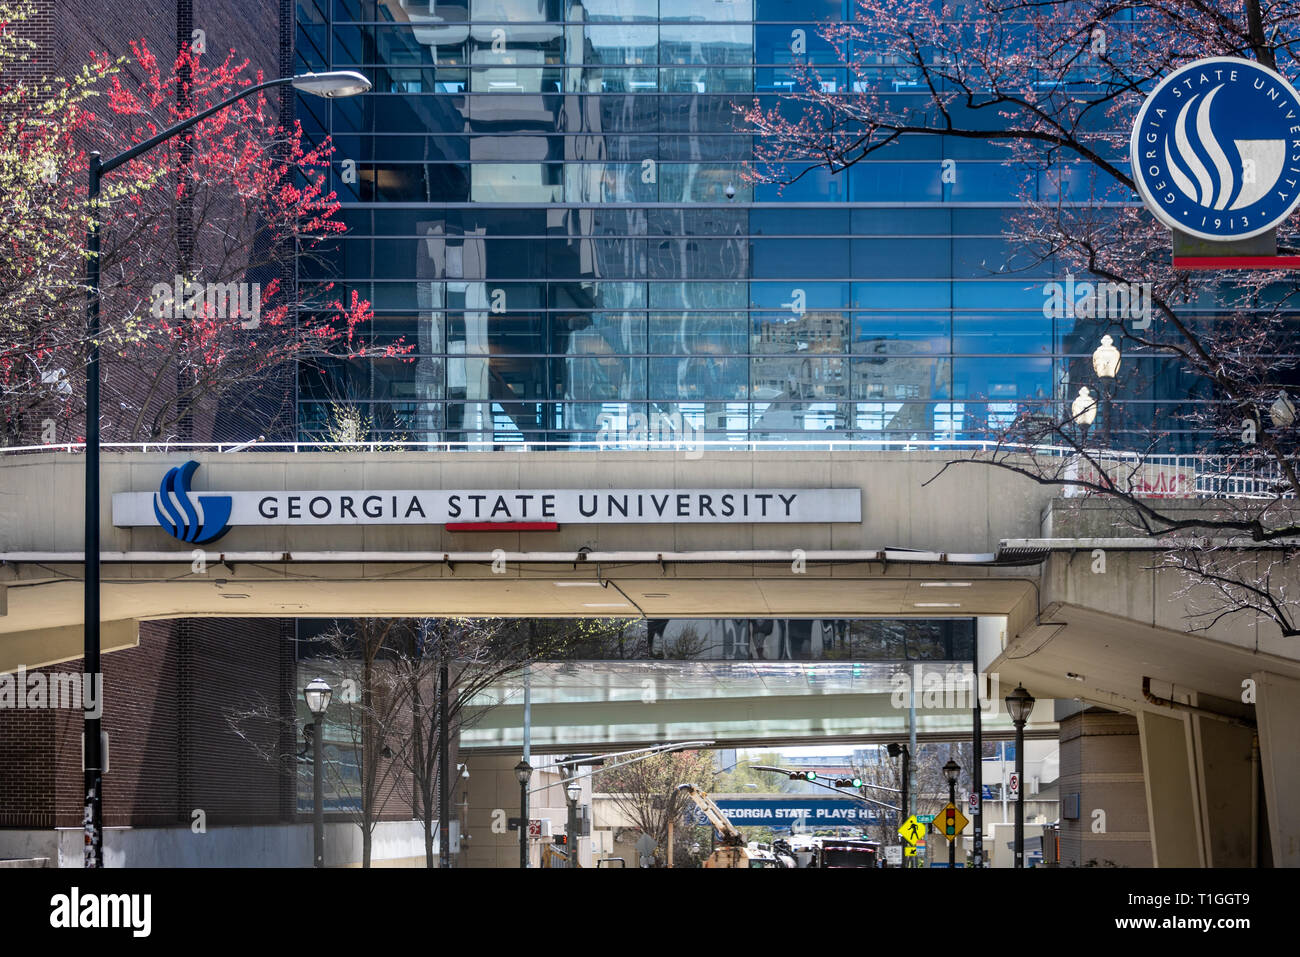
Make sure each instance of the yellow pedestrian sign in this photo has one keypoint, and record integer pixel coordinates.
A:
(912, 831)
(909, 851)
(949, 822)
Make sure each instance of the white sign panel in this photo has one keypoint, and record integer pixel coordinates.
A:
(565, 506)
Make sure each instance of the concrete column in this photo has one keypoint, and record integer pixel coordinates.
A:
(1101, 771)
(1277, 709)
(1168, 767)
(1223, 770)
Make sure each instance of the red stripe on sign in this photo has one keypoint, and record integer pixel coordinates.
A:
(502, 526)
(1237, 262)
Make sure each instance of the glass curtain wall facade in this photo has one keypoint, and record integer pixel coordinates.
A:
(546, 205)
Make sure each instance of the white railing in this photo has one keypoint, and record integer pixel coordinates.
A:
(1170, 476)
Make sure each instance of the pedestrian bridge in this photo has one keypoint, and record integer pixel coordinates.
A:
(842, 534)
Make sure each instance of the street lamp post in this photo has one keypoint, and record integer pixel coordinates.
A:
(318, 695)
(950, 771)
(333, 84)
(1105, 362)
(574, 791)
(523, 773)
(1019, 704)
(894, 751)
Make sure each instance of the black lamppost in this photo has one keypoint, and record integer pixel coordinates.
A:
(573, 790)
(524, 774)
(1105, 362)
(1019, 704)
(318, 695)
(950, 771)
(894, 751)
(334, 84)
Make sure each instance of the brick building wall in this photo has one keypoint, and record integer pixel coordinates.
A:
(1092, 739)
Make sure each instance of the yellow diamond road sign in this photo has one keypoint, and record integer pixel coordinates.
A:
(912, 831)
(949, 822)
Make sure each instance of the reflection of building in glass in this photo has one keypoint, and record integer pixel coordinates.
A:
(549, 203)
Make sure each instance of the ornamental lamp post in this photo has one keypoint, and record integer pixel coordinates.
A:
(317, 694)
(1019, 705)
(333, 84)
(1105, 362)
(950, 771)
(523, 774)
(574, 791)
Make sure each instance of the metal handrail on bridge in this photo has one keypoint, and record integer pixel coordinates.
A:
(1198, 475)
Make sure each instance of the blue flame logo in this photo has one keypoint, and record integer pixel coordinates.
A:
(189, 517)
(1210, 149)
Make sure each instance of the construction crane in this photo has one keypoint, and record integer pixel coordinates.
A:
(734, 852)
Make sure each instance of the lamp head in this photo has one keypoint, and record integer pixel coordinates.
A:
(523, 772)
(1019, 705)
(318, 694)
(1105, 360)
(331, 85)
(951, 770)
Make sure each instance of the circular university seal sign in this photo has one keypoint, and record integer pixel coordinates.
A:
(1216, 149)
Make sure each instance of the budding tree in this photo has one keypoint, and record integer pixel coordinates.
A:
(1053, 86)
(198, 310)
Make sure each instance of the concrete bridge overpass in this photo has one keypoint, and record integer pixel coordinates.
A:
(971, 543)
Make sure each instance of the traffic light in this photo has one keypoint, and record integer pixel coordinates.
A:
(803, 775)
(950, 821)
(560, 839)
(848, 782)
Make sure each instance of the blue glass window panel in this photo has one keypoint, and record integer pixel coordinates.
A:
(514, 11)
(608, 258)
(985, 182)
(902, 296)
(700, 183)
(604, 378)
(900, 222)
(799, 222)
(878, 181)
(699, 333)
(613, 11)
(719, 295)
(699, 377)
(801, 183)
(773, 45)
(902, 258)
(798, 11)
(700, 79)
(806, 377)
(800, 258)
(985, 256)
(984, 378)
(719, 11)
(931, 330)
(784, 299)
(1011, 293)
(1002, 333)
(624, 44)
